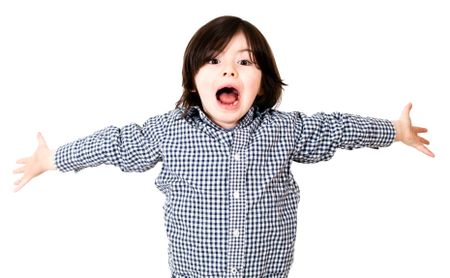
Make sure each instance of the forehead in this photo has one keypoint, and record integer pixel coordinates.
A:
(237, 43)
(238, 40)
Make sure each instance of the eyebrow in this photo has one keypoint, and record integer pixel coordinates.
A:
(239, 51)
(246, 50)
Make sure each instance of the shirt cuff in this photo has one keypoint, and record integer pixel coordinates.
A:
(64, 159)
(379, 133)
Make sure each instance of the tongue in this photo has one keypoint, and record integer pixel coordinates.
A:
(228, 98)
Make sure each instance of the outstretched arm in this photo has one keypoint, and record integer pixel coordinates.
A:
(132, 148)
(409, 134)
(38, 163)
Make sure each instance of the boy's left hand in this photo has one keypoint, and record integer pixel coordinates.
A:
(408, 134)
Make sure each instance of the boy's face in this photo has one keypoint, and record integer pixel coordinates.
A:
(229, 83)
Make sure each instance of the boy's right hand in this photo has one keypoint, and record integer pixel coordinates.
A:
(40, 162)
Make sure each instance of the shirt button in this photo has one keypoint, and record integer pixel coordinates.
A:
(236, 156)
(236, 194)
(236, 233)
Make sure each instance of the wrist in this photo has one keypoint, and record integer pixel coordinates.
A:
(398, 134)
(51, 165)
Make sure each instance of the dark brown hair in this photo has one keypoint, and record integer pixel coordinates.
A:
(212, 38)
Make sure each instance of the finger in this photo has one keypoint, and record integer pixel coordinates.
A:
(23, 160)
(41, 140)
(19, 170)
(21, 183)
(425, 150)
(417, 129)
(424, 141)
(17, 188)
(17, 182)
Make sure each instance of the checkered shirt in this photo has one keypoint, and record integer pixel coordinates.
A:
(231, 199)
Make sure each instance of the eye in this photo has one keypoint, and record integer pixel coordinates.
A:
(245, 62)
(213, 61)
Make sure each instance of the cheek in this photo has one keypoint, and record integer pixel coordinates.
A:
(260, 91)
(197, 81)
(201, 80)
(257, 85)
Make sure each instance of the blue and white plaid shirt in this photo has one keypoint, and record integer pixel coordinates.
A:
(231, 200)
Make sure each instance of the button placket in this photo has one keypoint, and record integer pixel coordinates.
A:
(237, 156)
(237, 203)
(236, 233)
(236, 194)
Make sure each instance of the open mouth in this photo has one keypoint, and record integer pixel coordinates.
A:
(228, 96)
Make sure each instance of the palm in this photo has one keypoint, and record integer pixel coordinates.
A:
(409, 134)
(36, 164)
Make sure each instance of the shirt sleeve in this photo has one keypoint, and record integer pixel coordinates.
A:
(318, 136)
(132, 148)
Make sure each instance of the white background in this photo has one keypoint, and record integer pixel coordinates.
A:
(69, 68)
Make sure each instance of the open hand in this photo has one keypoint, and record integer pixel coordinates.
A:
(40, 162)
(409, 134)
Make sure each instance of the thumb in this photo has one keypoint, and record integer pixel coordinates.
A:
(406, 111)
(41, 140)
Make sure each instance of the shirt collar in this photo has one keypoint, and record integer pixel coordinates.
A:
(195, 114)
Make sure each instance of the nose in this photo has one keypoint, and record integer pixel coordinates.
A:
(230, 73)
(229, 70)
